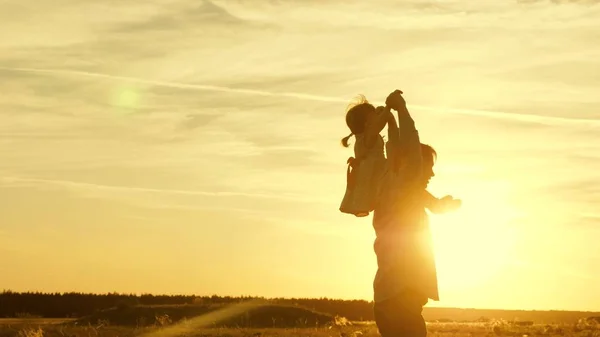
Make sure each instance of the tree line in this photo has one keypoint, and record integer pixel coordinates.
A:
(74, 304)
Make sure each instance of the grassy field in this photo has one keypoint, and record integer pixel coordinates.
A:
(65, 328)
(34, 321)
(264, 319)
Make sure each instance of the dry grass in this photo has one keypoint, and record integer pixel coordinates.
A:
(34, 321)
(491, 329)
(248, 314)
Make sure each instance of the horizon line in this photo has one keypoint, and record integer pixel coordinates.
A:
(251, 297)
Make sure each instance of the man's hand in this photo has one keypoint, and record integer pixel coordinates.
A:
(449, 204)
(443, 205)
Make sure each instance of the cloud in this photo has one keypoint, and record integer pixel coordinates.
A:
(307, 97)
(590, 219)
(194, 121)
(183, 86)
(179, 17)
(558, 2)
(18, 181)
(580, 184)
(276, 159)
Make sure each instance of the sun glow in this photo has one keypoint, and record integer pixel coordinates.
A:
(475, 243)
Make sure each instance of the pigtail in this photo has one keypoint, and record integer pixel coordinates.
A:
(346, 139)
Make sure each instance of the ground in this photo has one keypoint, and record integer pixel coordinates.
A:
(56, 328)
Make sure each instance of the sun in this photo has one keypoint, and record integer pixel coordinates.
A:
(475, 243)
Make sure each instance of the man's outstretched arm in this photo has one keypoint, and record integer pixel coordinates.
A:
(443, 205)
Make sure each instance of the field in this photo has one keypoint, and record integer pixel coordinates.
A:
(58, 328)
(114, 315)
(34, 321)
(200, 326)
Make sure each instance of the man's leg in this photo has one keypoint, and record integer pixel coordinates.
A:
(401, 316)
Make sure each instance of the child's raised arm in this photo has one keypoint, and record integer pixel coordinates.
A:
(382, 117)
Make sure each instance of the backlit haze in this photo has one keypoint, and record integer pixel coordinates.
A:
(182, 146)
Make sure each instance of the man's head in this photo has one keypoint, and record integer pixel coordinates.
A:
(429, 156)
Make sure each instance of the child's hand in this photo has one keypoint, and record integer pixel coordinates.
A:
(383, 111)
(450, 204)
(395, 100)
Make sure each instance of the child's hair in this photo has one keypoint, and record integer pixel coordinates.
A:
(356, 117)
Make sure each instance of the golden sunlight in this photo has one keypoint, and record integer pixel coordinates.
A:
(477, 240)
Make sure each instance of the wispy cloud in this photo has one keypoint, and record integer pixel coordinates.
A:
(308, 97)
(73, 184)
(590, 219)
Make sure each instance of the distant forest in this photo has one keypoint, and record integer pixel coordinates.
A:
(60, 305)
(77, 305)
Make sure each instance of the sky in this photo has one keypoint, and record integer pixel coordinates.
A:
(192, 147)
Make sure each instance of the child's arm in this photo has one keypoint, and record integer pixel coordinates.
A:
(373, 130)
(393, 136)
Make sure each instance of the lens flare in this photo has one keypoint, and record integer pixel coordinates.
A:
(126, 98)
(206, 320)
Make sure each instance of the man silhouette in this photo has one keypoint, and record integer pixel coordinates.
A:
(406, 276)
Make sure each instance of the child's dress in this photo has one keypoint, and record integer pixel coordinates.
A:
(364, 177)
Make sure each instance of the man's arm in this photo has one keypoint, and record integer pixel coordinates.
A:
(443, 205)
(409, 147)
(431, 202)
(404, 145)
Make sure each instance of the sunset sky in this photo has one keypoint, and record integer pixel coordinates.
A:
(183, 146)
